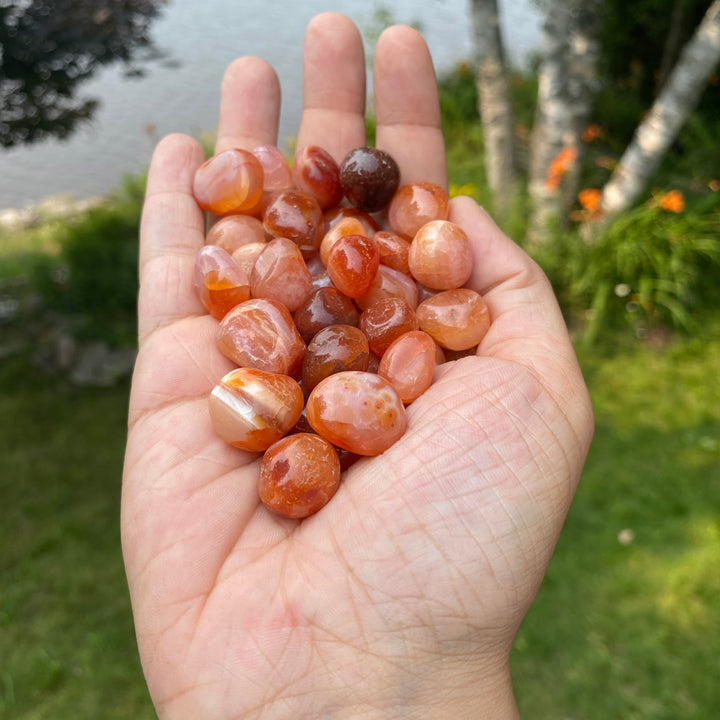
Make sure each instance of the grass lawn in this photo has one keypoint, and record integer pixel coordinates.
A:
(618, 630)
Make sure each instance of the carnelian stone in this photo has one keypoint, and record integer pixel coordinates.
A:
(234, 231)
(346, 226)
(415, 204)
(251, 409)
(297, 216)
(326, 306)
(230, 182)
(280, 273)
(352, 264)
(219, 282)
(260, 333)
(334, 349)
(369, 178)
(315, 172)
(393, 250)
(298, 475)
(389, 283)
(357, 411)
(246, 255)
(409, 364)
(386, 320)
(456, 319)
(276, 169)
(440, 256)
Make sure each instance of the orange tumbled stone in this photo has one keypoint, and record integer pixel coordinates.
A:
(415, 204)
(251, 409)
(326, 306)
(334, 349)
(357, 411)
(246, 255)
(440, 256)
(456, 319)
(260, 333)
(219, 282)
(352, 264)
(280, 273)
(315, 172)
(230, 182)
(234, 231)
(389, 283)
(385, 320)
(346, 226)
(296, 216)
(298, 475)
(393, 250)
(409, 363)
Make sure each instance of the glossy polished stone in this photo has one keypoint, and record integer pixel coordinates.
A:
(409, 364)
(369, 178)
(230, 182)
(334, 349)
(385, 320)
(393, 250)
(326, 306)
(456, 319)
(352, 264)
(251, 409)
(296, 216)
(298, 475)
(280, 274)
(440, 256)
(346, 226)
(234, 231)
(389, 283)
(415, 204)
(246, 255)
(357, 411)
(260, 333)
(219, 282)
(315, 172)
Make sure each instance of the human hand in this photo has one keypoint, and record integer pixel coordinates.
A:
(400, 598)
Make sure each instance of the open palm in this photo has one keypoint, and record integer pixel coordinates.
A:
(402, 596)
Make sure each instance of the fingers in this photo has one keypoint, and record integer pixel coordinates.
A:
(407, 106)
(333, 114)
(171, 233)
(249, 105)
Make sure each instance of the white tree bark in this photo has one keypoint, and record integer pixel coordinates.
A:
(494, 101)
(661, 125)
(567, 82)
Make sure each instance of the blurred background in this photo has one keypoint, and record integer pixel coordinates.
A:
(589, 130)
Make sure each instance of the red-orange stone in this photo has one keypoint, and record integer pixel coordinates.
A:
(234, 231)
(326, 306)
(409, 364)
(298, 475)
(280, 273)
(415, 204)
(334, 215)
(219, 282)
(346, 226)
(352, 264)
(251, 409)
(297, 216)
(393, 250)
(385, 320)
(230, 182)
(389, 283)
(260, 333)
(357, 411)
(334, 349)
(440, 256)
(315, 172)
(456, 319)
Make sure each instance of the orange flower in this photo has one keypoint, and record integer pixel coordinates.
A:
(590, 199)
(672, 201)
(559, 165)
(591, 132)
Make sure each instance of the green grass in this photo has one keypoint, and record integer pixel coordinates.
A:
(633, 631)
(68, 648)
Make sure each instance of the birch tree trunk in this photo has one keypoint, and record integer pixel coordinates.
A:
(661, 125)
(494, 100)
(567, 80)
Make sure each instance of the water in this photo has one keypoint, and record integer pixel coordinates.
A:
(204, 37)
